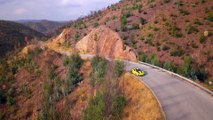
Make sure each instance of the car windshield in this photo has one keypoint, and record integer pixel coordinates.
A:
(137, 69)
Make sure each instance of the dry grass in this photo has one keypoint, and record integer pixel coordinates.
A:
(141, 103)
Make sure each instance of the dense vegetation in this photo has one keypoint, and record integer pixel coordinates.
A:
(109, 102)
(14, 36)
(187, 69)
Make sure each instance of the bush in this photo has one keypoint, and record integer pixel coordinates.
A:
(99, 66)
(118, 106)
(2, 116)
(119, 68)
(154, 60)
(142, 56)
(51, 94)
(164, 47)
(135, 27)
(202, 39)
(74, 64)
(166, 1)
(76, 36)
(169, 66)
(187, 66)
(177, 52)
(191, 29)
(132, 41)
(96, 25)
(184, 12)
(142, 21)
(95, 109)
(123, 20)
(196, 21)
(175, 31)
(26, 91)
(210, 16)
(139, 8)
(2, 97)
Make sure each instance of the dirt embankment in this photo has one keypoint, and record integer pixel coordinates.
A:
(105, 42)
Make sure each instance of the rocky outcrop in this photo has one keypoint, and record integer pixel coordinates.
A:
(107, 43)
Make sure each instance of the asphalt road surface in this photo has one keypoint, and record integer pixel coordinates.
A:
(179, 99)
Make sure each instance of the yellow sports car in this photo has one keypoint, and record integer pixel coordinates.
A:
(138, 72)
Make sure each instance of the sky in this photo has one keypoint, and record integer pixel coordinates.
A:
(57, 10)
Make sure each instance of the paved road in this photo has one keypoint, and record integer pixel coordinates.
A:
(179, 99)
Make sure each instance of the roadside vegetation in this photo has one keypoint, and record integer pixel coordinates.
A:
(188, 69)
(108, 102)
(141, 103)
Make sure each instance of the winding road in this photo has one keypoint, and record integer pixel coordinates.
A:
(179, 99)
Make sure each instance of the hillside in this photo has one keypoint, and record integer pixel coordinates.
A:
(176, 35)
(14, 36)
(43, 84)
(44, 26)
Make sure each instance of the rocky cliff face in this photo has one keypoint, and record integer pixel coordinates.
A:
(105, 42)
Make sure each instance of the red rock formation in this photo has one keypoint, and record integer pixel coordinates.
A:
(107, 43)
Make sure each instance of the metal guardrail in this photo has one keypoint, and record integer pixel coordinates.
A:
(182, 78)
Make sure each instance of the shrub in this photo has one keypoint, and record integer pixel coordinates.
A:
(118, 106)
(51, 94)
(99, 66)
(132, 41)
(154, 60)
(175, 31)
(96, 24)
(169, 66)
(177, 52)
(202, 39)
(26, 91)
(194, 45)
(187, 65)
(164, 47)
(196, 21)
(139, 8)
(66, 61)
(166, 1)
(142, 21)
(2, 116)
(76, 36)
(210, 16)
(142, 56)
(135, 27)
(73, 75)
(191, 29)
(2, 97)
(10, 96)
(184, 12)
(95, 109)
(123, 20)
(118, 69)
(200, 74)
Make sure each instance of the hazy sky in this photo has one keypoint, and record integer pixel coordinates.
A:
(49, 9)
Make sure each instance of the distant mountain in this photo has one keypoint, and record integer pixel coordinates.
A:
(44, 26)
(14, 35)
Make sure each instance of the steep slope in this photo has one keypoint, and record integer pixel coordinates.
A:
(162, 32)
(14, 36)
(44, 26)
(105, 42)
